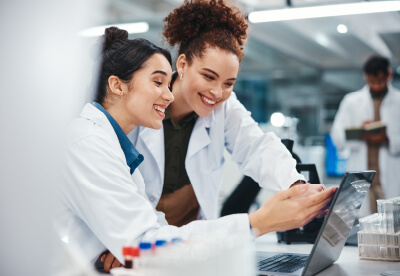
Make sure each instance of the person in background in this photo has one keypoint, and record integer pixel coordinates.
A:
(105, 205)
(376, 101)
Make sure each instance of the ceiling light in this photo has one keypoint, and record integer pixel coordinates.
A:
(131, 28)
(323, 11)
(323, 40)
(277, 119)
(341, 28)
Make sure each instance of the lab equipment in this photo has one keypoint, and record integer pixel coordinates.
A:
(379, 235)
(332, 235)
(130, 254)
(146, 254)
(212, 255)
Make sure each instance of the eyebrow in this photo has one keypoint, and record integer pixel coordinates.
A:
(159, 72)
(211, 71)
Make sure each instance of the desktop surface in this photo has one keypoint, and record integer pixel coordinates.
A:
(348, 263)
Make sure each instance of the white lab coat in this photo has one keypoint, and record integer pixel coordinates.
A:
(356, 108)
(259, 155)
(104, 206)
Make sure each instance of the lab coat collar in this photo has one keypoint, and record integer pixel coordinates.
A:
(209, 120)
(386, 99)
(201, 134)
(132, 156)
(153, 139)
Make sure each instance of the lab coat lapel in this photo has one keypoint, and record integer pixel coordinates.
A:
(153, 139)
(388, 99)
(200, 136)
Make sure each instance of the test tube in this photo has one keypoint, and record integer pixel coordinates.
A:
(146, 254)
(130, 253)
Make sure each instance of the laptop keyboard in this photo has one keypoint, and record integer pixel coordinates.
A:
(283, 263)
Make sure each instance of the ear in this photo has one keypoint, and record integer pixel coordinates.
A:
(116, 85)
(181, 64)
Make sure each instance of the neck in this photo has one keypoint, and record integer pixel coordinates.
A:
(179, 108)
(118, 113)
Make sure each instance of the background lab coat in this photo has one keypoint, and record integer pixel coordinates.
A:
(259, 155)
(356, 108)
(104, 205)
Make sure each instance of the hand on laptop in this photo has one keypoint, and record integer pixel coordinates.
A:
(312, 189)
(290, 209)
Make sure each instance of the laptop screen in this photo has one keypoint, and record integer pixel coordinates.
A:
(339, 220)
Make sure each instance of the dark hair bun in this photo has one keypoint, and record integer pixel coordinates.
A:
(113, 34)
(195, 17)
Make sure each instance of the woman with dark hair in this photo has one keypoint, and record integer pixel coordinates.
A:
(103, 191)
(106, 205)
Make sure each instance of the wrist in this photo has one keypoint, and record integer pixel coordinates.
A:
(300, 181)
(253, 220)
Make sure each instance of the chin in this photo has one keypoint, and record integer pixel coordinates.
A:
(154, 125)
(203, 112)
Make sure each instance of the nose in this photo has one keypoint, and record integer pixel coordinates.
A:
(168, 96)
(216, 93)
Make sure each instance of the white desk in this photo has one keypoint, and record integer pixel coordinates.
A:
(348, 263)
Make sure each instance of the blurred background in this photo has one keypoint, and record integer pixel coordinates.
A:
(298, 70)
(292, 79)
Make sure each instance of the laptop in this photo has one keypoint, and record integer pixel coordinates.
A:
(332, 236)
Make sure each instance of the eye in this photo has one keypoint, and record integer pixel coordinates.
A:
(208, 77)
(229, 84)
(158, 83)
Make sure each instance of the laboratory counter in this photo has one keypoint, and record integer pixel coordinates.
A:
(348, 263)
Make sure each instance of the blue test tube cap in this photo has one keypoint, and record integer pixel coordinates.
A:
(161, 243)
(176, 240)
(145, 246)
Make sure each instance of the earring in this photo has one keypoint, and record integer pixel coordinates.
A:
(180, 77)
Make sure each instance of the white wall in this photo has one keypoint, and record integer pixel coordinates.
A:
(43, 76)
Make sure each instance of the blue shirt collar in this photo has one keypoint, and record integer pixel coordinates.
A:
(132, 156)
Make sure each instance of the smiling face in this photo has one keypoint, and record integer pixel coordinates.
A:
(148, 94)
(142, 101)
(206, 82)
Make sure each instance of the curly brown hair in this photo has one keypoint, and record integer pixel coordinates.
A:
(197, 24)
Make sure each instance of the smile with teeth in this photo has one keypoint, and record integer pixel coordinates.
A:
(158, 108)
(207, 100)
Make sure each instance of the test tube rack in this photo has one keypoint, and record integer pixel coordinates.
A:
(379, 235)
(379, 246)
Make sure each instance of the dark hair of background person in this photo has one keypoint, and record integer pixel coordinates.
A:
(197, 24)
(375, 65)
(122, 57)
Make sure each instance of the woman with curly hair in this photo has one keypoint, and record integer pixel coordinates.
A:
(183, 161)
(206, 118)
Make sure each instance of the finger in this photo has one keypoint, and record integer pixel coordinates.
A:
(314, 214)
(317, 198)
(108, 262)
(322, 214)
(321, 206)
(116, 263)
(294, 191)
(102, 258)
(315, 210)
(316, 188)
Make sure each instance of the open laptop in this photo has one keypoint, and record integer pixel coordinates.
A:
(331, 238)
